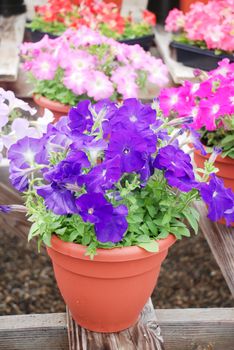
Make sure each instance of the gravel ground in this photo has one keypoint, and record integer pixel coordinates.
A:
(189, 278)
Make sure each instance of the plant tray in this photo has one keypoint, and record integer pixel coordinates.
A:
(36, 35)
(145, 41)
(196, 57)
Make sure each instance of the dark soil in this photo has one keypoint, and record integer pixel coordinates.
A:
(189, 278)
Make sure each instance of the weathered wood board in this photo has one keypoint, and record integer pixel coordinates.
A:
(221, 241)
(146, 334)
(186, 329)
(178, 71)
(11, 36)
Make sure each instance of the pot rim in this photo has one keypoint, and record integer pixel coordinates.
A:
(50, 104)
(113, 254)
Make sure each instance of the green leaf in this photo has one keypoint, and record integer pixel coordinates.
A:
(152, 246)
(34, 231)
(192, 221)
(60, 231)
(166, 218)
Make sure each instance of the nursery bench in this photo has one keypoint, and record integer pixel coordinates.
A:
(11, 36)
(221, 241)
(185, 329)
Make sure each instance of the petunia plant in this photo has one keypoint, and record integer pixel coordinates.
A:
(204, 25)
(14, 124)
(210, 103)
(113, 175)
(84, 64)
(58, 15)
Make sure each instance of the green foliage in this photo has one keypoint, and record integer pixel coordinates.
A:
(55, 28)
(55, 90)
(155, 211)
(221, 137)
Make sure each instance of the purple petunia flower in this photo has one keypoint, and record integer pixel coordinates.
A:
(103, 176)
(177, 166)
(131, 148)
(23, 156)
(80, 117)
(5, 209)
(58, 199)
(69, 169)
(93, 206)
(195, 139)
(133, 114)
(220, 201)
(112, 228)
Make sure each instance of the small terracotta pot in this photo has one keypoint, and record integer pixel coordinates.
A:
(57, 108)
(108, 293)
(185, 4)
(225, 166)
(117, 2)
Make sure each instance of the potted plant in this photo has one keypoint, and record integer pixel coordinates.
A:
(210, 102)
(203, 36)
(85, 64)
(109, 190)
(17, 121)
(56, 16)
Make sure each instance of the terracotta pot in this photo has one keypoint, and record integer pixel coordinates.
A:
(225, 166)
(108, 293)
(117, 2)
(57, 108)
(185, 4)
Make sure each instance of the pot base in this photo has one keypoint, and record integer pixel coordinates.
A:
(106, 294)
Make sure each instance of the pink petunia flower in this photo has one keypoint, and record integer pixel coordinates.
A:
(76, 80)
(99, 86)
(44, 68)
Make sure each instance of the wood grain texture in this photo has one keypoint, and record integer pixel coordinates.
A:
(145, 335)
(33, 332)
(186, 329)
(197, 329)
(15, 223)
(11, 36)
(221, 241)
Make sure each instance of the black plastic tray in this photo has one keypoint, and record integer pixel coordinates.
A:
(144, 41)
(195, 57)
(36, 35)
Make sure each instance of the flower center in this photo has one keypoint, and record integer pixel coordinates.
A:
(133, 118)
(90, 211)
(174, 99)
(126, 150)
(215, 108)
(215, 194)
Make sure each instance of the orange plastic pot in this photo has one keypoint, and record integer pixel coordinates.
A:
(225, 166)
(185, 4)
(57, 108)
(117, 2)
(108, 293)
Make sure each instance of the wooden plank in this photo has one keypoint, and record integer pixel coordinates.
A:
(186, 329)
(221, 241)
(33, 332)
(15, 223)
(178, 71)
(12, 32)
(197, 329)
(145, 335)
